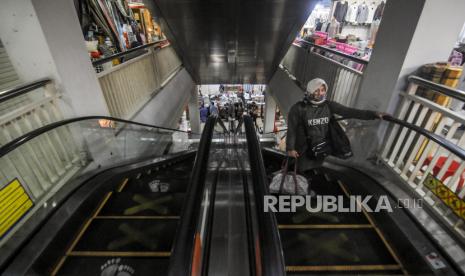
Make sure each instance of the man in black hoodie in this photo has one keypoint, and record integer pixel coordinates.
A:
(308, 123)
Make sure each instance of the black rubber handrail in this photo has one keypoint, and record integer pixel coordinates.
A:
(458, 151)
(22, 89)
(446, 90)
(8, 147)
(271, 252)
(353, 58)
(184, 244)
(125, 53)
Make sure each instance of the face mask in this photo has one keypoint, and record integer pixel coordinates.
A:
(317, 97)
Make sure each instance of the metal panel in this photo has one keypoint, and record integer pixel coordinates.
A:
(224, 41)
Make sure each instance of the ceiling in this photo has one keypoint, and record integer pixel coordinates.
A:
(232, 41)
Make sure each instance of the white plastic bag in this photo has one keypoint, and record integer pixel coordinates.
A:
(289, 183)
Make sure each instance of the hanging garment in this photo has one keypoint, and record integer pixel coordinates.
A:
(341, 11)
(333, 28)
(362, 13)
(371, 12)
(325, 27)
(352, 13)
(379, 11)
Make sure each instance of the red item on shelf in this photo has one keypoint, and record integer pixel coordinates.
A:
(95, 54)
(450, 171)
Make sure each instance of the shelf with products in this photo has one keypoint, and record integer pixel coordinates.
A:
(116, 26)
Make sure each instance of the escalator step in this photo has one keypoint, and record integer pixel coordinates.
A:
(111, 265)
(344, 271)
(128, 235)
(332, 247)
(143, 204)
(303, 216)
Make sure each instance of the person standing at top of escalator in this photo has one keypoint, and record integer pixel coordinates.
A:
(308, 125)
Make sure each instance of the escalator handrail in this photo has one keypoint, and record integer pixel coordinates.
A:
(458, 151)
(15, 143)
(23, 89)
(127, 52)
(271, 252)
(184, 244)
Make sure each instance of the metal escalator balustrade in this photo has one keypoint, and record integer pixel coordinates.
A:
(428, 164)
(34, 165)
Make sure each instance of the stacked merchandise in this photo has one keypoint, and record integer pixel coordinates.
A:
(109, 20)
(442, 73)
(111, 26)
(148, 26)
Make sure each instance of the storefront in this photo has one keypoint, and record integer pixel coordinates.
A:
(349, 26)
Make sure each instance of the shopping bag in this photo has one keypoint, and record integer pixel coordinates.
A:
(288, 183)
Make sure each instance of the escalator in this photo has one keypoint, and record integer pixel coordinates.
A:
(335, 243)
(133, 228)
(357, 241)
(134, 207)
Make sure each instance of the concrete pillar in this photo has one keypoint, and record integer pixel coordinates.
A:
(411, 34)
(270, 112)
(43, 38)
(194, 113)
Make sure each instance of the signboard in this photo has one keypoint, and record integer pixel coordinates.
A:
(14, 204)
(446, 195)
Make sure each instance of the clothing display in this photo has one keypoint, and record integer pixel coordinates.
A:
(333, 28)
(352, 13)
(379, 11)
(362, 13)
(371, 12)
(325, 27)
(340, 11)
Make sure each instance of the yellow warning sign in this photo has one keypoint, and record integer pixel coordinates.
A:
(446, 195)
(14, 204)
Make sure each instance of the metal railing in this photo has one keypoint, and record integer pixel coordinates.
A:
(337, 69)
(435, 170)
(128, 86)
(269, 258)
(25, 108)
